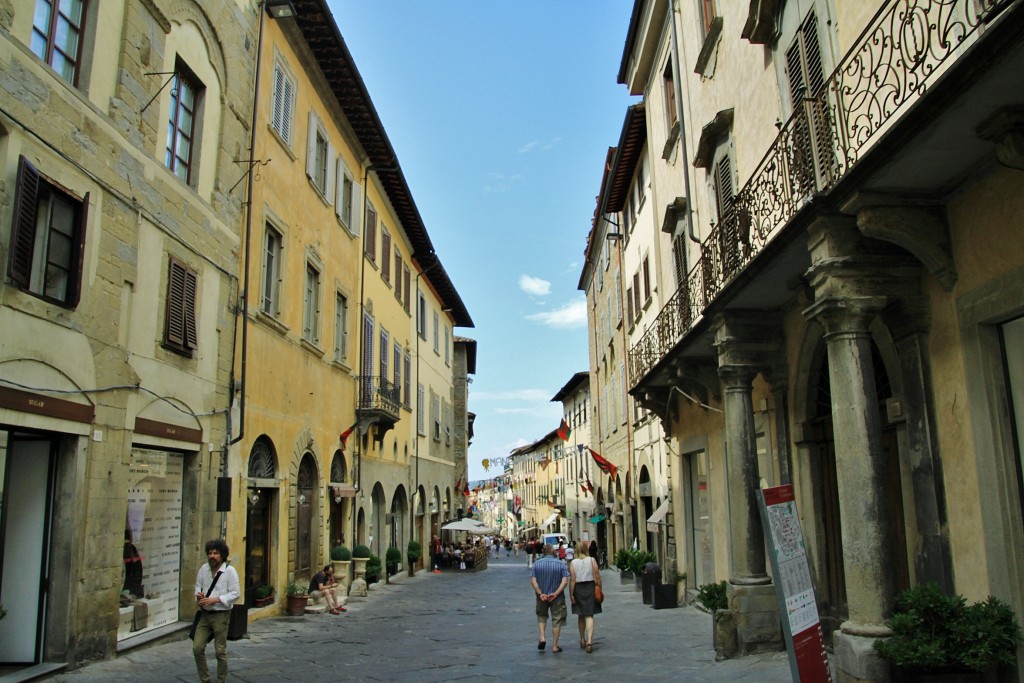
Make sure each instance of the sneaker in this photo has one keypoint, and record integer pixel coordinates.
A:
(341, 609)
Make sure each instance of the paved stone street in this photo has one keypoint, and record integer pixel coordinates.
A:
(458, 627)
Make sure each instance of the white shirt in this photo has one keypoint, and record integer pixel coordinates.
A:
(227, 589)
(583, 568)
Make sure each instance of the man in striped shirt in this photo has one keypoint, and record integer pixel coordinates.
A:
(549, 578)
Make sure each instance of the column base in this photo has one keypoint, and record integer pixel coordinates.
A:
(752, 624)
(855, 661)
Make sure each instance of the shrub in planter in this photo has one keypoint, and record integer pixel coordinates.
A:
(638, 559)
(392, 558)
(414, 552)
(713, 596)
(937, 633)
(361, 551)
(340, 553)
(621, 560)
(373, 569)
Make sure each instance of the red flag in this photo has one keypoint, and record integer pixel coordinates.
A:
(590, 486)
(347, 433)
(564, 431)
(458, 484)
(602, 464)
(466, 492)
(550, 504)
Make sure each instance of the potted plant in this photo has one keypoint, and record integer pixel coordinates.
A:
(934, 634)
(413, 554)
(714, 597)
(297, 594)
(360, 554)
(638, 560)
(263, 595)
(373, 569)
(392, 558)
(621, 563)
(341, 558)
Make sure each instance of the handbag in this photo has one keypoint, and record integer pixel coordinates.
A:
(598, 594)
(195, 619)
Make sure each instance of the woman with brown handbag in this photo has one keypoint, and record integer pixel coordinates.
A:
(585, 591)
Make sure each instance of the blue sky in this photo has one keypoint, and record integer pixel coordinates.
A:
(501, 114)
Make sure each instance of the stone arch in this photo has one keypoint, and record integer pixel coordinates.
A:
(377, 529)
(306, 516)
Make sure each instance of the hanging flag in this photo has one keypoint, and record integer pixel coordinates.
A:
(544, 463)
(603, 464)
(347, 433)
(487, 464)
(564, 431)
(466, 492)
(458, 484)
(550, 504)
(590, 486)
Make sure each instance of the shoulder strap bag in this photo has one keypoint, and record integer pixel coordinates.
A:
(195, 619)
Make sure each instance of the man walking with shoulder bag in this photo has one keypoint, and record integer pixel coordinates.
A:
(217, 588)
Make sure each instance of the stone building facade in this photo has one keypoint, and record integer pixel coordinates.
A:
(849, 320)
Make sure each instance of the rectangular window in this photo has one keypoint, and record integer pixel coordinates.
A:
(437, 329)
(679, 259)
(385, 251)
(421, 316)
(370, 240)
(397, 356)
(629, 304)
(420, 417)
(47, 238)
(618, 298)
(57, 35)
(647, 280)
(670, 95)
(385, 355)
(406, 278)
(637, 303)
(435, 415)
(272, 248)
(398, 274)
(407, 380)
(349, 201)
(340, 327)
(181, 125)
(180, 332)
(311, 307)
(283, 103)
(708, 12)
(447, 346)
(320, 163)
(723, 185)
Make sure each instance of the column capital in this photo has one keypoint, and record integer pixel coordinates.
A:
(850, 315)
(752, 338)
(737, 377)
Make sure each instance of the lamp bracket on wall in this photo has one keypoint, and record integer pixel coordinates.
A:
(252, 163)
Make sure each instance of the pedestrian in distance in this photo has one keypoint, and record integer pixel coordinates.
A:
(584, 577)
(217, 589)
(549, 578)
(323, 585)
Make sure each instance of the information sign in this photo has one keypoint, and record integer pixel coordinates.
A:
(808, 661)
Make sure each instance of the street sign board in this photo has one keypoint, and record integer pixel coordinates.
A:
(808, 661)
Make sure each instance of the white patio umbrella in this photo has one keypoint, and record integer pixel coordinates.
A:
(469, 525)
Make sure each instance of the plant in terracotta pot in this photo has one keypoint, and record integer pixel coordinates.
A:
(360, 555)
(413, 554)
(934, 634)
(263, 595)
(297, 594)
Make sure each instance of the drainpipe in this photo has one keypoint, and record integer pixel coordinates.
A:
(677, 86)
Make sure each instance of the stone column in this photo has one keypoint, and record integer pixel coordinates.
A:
(850, 291)
(744, 343)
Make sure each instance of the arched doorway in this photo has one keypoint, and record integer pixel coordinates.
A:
(398, 520)
(305, 505)
(378, 522)
(647, 509)
(341, 495)
(260, 501)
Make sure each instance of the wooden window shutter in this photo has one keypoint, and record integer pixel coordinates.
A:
(370, 240)
(385, 255)
(629, 304)
(637, 303)
(647, 279)
(723, 186)
(180, 327)
(23, 230)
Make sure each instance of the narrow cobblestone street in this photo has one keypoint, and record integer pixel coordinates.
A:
(458, 627)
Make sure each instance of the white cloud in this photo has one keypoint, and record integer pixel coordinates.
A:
(513, 395)
(534, 286)
(538, 144)
(527, 147)
(573, 314)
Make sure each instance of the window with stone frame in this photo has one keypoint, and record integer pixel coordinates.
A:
(348, 203)
(321, 164)
(385, 252)
(183, 123)
(311, 305)
(47, 238)
(273, 248)
(370, 239)
(58, 35)
(180, 327)
(340, 327)
(282, 114)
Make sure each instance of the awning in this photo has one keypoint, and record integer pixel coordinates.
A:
(549, 520)
(654, 520)
(596, 519)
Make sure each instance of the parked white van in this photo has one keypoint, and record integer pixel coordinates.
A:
(553, 539)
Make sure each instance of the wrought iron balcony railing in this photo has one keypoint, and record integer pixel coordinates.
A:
(379, 394)
(904, 48)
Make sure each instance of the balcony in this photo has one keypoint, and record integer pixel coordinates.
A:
(899, 115)
(380, 402)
